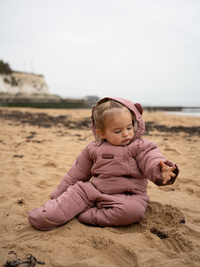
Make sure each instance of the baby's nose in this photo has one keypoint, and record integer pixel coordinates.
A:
(125, 133)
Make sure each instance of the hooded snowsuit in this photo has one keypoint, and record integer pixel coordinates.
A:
(117, 192)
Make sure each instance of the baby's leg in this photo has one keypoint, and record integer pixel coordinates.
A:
(113, 210)
(58, 211)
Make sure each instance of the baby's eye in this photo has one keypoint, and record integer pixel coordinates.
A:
(117, 132)
(129, 128)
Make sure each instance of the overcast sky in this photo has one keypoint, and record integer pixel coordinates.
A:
(145, 50)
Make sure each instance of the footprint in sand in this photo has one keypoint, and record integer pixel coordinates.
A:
(51, 164)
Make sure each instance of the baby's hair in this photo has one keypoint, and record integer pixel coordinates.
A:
(105, 112)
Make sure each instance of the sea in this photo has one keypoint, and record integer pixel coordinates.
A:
(193, 112)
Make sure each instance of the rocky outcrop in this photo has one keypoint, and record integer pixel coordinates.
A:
(23, 83)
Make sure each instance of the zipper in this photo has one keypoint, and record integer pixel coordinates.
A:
(127, 169)
(126, 161)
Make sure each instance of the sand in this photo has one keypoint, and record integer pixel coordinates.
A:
(33, 159)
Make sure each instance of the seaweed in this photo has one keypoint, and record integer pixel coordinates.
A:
(159, 233)
(182, 220)
(28, 261)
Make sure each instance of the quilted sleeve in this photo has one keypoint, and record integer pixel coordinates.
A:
(148, 158)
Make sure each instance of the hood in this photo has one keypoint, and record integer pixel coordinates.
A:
(136, 109)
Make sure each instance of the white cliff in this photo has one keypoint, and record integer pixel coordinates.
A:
(23, 83)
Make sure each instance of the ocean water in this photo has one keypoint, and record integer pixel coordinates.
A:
(186, 112)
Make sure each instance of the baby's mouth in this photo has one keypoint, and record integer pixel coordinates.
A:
(126, 140)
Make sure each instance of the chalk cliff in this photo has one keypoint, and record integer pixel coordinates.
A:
(23, 83)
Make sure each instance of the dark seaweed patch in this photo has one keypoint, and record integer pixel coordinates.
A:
(159, 233)
(28, 261)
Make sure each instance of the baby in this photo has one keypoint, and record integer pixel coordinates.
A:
(107, 183)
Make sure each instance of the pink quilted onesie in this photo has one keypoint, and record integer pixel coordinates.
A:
(106, 185)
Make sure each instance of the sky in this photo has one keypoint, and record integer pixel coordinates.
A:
(145, 50)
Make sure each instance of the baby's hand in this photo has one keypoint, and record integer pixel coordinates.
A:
(166, 172)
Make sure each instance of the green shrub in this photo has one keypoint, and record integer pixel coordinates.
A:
(5, 68)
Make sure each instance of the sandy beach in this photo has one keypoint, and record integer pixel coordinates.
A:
(38, 146)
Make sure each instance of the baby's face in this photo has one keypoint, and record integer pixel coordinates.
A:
(119, 132)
